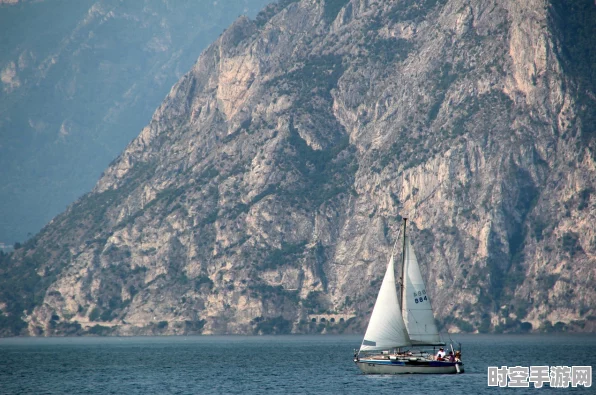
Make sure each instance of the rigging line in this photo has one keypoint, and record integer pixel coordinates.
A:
(415, 320)
(417, 323)
(431, 194)
(396, 241)
(450, 339)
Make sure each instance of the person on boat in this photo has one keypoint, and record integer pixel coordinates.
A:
(440, 354)
(457, 356)
(451, 356)
(440, 358)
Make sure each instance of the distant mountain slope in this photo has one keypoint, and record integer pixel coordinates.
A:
(267, 190)
(78, 81)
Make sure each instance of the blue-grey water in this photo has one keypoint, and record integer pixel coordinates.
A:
(262, 365)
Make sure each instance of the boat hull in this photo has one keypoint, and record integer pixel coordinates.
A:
(408, 367)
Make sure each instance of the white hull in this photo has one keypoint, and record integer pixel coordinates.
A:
(382, 367)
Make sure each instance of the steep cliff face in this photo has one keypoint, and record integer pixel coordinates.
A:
(270, 184)
(78, 81)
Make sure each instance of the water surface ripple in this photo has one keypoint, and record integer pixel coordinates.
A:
(257, 365)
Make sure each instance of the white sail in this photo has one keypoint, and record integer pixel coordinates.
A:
(417, 310)
(386, 327)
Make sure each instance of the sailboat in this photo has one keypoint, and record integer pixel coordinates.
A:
(399, 336)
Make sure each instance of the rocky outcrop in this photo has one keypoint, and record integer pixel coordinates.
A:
(269, 186)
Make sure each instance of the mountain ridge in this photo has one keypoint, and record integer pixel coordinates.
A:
(269, 185)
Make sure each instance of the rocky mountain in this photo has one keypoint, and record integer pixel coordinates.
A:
(78, 81)
(267, 191)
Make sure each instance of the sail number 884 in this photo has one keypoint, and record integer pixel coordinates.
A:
(420, 296)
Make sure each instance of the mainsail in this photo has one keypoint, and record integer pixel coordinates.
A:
(386, 327)
(417, 311)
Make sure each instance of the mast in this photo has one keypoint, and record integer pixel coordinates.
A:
(403, 265)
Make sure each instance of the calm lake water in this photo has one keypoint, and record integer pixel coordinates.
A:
(267, 364)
